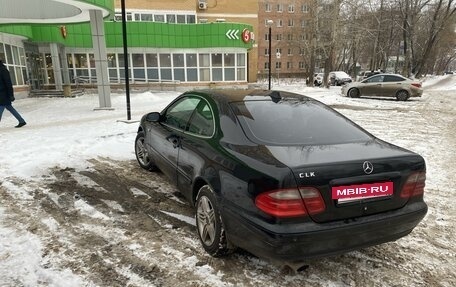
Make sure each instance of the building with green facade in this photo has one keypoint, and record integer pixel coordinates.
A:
(50, 44)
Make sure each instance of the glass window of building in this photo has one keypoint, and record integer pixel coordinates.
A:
(305, 8)
(9, 54)
(178, 60)
(170, 18)
(112, 61)
(159, 18)
(151, 60)
(80, 61)
(138, 60)
(230, 70)
(16, 60)
(147, 17)
(2, 52)
(12, 75)
(291, 8)
(241, 67)
(179, 64)
(165, 60)
(181, 19)
(204, 63)
(191, 19)
(92, 60)
(22, 56)
(152, 67)
(217, 60)
(138, 67)
(279, 7)
(192, 71)
(217, 74)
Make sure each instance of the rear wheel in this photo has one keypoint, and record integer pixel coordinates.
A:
(209, 223)
(353, 93)
(402, 95)
(142, 156)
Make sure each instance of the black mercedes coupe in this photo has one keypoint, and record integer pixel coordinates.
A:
(281, 175)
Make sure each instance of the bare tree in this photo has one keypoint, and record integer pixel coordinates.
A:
(441, 13)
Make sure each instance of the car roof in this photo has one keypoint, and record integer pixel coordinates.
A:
(238, 95)
(388, 74)
(340, 73)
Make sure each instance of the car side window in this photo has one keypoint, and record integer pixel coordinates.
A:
(179, 113)
(392, 78)
(202, 121)
(376, 79)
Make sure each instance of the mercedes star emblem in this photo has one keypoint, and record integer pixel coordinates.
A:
(368, 167)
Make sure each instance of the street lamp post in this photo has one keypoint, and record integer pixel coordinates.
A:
(269, 23)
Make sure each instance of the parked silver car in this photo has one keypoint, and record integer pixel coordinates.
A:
(384, 85)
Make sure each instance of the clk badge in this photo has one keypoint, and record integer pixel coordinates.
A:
(368, 167)
(307, 174)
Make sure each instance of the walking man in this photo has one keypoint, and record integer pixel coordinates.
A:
(7, 95)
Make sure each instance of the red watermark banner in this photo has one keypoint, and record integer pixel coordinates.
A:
(362, 190)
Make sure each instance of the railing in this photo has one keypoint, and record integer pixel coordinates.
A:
(87, 80)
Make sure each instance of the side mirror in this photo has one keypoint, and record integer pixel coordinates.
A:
(153, 117)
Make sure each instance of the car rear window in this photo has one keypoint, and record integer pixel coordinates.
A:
(295, 122)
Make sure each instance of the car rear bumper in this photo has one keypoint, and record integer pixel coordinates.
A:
(311, 240)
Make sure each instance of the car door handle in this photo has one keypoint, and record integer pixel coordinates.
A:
(174, 140)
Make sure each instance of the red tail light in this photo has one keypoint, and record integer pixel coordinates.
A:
(414, 185)
(290, 202)
(418, 85)
(313, 200)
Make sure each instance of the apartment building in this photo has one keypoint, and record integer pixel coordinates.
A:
(291, 23)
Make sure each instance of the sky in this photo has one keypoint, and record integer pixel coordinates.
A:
(68, 132)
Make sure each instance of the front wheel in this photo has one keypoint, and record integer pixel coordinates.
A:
(353, 93)
(209, 223)
(142, 156)
(402, 95)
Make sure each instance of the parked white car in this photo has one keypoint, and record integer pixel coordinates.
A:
(338, 78)
(318, 79)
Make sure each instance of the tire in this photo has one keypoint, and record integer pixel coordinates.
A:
(209, 224)
(354, 93)
(402, 95)
(142, 156)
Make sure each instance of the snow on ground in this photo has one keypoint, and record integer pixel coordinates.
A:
(67, 132)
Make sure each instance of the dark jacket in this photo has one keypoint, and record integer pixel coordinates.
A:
(6, 86)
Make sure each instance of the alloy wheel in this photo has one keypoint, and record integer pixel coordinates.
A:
(141, 152)
(206, 221)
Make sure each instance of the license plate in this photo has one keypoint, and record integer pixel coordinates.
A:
(362, 191)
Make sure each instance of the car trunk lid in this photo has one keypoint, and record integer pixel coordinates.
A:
(355, 179)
